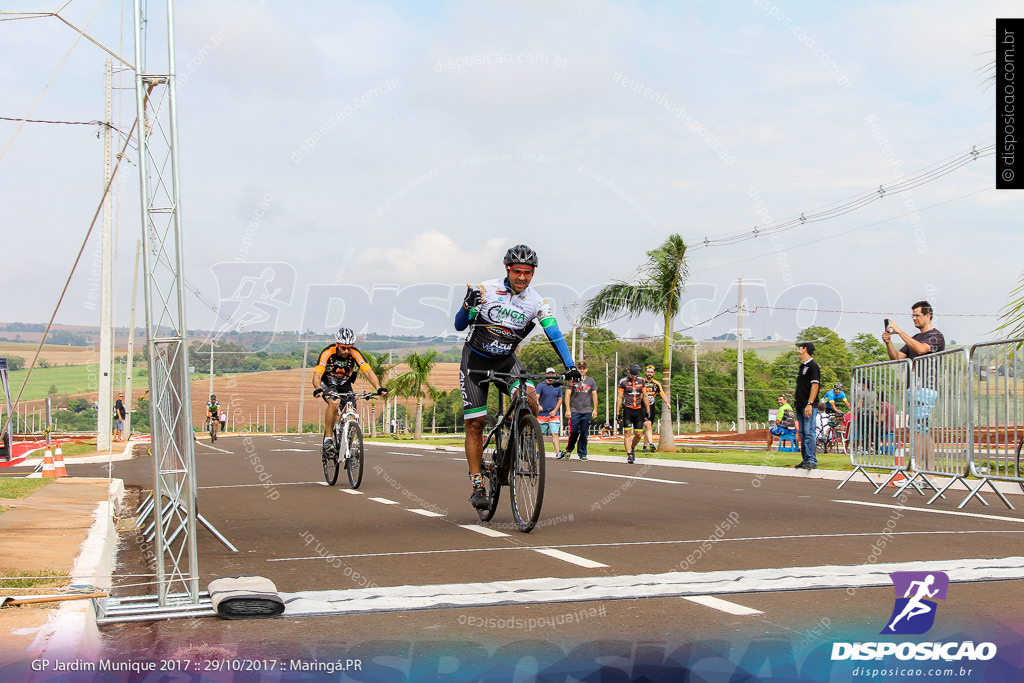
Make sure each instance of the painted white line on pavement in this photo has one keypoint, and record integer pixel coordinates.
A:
(213, 448)
(294, 450)
(631, 587)
(491, 532)
(626, 476)
(1018, 520)
(385, 501)
(276, 483)
(484, 530)
(426, 513)
(569, 557)
(723, 605)
(414, 455)
(352, 492)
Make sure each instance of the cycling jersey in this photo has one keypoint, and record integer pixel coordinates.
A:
(212, 407)
(340, 368)
(632, 391)
(654, 391)
(832, 399)
(502, 320)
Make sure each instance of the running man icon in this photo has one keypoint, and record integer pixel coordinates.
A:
(915, 610)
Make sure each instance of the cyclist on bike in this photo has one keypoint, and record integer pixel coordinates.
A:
(500, 313)
(212, 410)
(834, 396)
(334, 373)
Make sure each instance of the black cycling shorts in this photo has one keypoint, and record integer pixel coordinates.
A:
(633, 417)
(474, 386)
(337, 386)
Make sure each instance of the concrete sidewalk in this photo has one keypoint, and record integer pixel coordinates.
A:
(65, 527)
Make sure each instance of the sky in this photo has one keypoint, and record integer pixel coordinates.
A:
(359, 163)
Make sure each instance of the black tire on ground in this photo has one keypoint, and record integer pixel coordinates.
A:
(354, 461)
(492, 480)
(526, 476)
(330, 458)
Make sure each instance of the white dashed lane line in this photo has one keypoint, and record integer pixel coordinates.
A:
(569, 557)
(723, 605)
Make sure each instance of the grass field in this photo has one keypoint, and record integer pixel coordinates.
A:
(20, 487)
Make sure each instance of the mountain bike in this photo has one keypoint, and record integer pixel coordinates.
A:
(514, 455)
(347, 443)
(211, 427)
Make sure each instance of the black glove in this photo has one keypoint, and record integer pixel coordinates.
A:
(317, 392)
(381, 391)
(572, 375)
(472, 299)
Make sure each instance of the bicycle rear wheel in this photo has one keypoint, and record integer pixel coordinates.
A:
(354, 458)
(494, 449)
(213, 431)
(526, 478)
(330, 458)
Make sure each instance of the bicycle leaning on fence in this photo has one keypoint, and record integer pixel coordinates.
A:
(348, 441)
(514, 454)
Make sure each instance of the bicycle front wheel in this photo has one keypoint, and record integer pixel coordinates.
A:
(213, 431)
(491, 466)
(330, 458)
(526, 476)
(354, 457)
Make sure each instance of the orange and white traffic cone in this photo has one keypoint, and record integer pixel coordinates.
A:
(899, 475)
(48, 472)
(58, 463)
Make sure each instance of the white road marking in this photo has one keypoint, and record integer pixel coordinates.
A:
(414, 455)
(890, 506)
(385, 501)
(723, 605)
(626, 476)
(294, 450)
(484, 530)
(213, 448)
(352, 492)
(569, 557)
(630, 587)
(276, 483)
(426, 513)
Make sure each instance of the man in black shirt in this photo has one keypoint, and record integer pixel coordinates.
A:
(924, 390)
(805, 403)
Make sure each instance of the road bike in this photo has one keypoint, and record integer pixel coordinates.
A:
(347, 443)
(514, 454)
(211, 427)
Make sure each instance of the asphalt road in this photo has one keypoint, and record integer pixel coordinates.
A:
(776, 549)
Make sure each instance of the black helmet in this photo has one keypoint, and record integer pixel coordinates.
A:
(520, 254)
(634, 369)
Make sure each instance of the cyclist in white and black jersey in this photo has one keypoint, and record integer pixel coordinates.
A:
(500, 313)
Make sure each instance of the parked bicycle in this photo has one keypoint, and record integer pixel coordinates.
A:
(348, 441)
(830, 435)
(514, 455)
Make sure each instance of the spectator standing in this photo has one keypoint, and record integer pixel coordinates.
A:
(582, 408)
(549, 397)
(808, 382)
(924, 391)
(119, 415)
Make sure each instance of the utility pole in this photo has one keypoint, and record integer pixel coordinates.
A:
(741, 395)
(302, 389)
(696, 389)
(105, 401)
(574, 356)
(131, 346)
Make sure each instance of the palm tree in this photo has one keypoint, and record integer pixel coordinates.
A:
(658, 290)
(380, 368)
(416, 382)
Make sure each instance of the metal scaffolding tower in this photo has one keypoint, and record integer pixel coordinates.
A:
(166, 331)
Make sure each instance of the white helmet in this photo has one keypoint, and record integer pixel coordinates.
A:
(345, 336)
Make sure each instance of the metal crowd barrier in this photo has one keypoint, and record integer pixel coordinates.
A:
(878, 398)
(938, 420)
(997, 414)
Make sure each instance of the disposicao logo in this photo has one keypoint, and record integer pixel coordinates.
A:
(913, 614)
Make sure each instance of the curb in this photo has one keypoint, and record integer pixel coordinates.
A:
(71, 631)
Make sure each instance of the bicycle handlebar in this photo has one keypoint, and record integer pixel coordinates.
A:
(494, 374)
(351, 394)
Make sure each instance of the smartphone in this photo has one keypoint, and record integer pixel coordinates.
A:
(887, 325)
